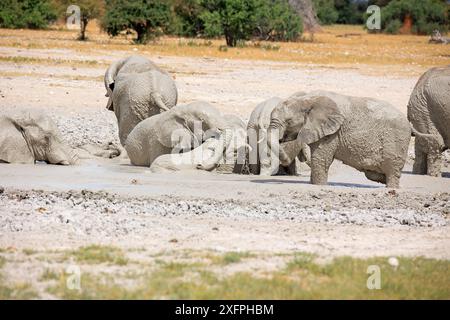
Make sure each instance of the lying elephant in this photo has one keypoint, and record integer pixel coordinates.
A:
(205, 156)
(28, 136)
(137, 89)
(429, 114)
(180, 129)
(258, 157)
(369, 135)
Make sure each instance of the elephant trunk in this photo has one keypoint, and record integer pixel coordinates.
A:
(223, 143)
(274, 135)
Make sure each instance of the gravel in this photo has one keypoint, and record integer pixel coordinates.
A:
(101, 213)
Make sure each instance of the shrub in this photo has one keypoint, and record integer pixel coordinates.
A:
(277, 21)
(238, 20)
(426, 15)
(235, 19)
(186, 18)
(326, 12)
(149, 18)
(33, 14)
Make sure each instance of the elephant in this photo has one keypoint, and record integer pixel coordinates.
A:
(28, 136)
(187, 161)
(180, 129)
(258, 158)
(137, 89)
(206, 153)
(367, 134)
(429, 115)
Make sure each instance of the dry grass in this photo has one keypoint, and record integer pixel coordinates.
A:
(336, 46)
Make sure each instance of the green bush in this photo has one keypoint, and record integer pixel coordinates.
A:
(149, 18)
(326, 12)
(236, 19)
(277, 21)
(239, 20)
(186, 18)
(33, 14)
(393, 26)
(426, 15)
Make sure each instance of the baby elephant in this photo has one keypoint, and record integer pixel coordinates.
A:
(30, 136)
(369, 135)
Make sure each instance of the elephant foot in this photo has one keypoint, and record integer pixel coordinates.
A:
(393, 181)
(434, 163)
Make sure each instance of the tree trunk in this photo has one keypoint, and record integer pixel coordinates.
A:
(306, 10)
(84, 23)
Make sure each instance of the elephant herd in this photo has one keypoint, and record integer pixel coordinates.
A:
(314, 127)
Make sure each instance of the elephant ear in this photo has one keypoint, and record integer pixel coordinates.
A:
(322, 119)
(110, 78)
(13, 146)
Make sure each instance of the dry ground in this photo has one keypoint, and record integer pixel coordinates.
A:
(256, 225)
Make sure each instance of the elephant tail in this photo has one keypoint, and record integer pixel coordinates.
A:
(159, 102)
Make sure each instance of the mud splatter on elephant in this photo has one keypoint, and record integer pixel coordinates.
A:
(429, 114)
(137, 89)
(367, 134)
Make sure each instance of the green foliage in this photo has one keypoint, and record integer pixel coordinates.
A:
(426, 15)
(33, 14)
(277, 21)
(350, 12)
(238, 20)
(149, 18)
(326, 12)
(186, 18)
(236, 17)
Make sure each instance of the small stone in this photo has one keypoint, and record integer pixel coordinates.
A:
(173, 241)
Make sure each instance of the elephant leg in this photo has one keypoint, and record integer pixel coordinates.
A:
(322, 156)
(393, 180)
(434, 163)
(420, 161)
(375, 176)
(291, 170)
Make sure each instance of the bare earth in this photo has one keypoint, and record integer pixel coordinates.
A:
(109, 202)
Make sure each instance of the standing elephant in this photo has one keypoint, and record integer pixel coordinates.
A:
(30, 136)
(258, 157)
(137, 89)
(181, 128)
(369, 135)
(429, 114)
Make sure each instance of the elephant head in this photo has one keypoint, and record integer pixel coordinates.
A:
(30, 137)
(305, 119)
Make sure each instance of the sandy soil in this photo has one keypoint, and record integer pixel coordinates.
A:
(108, 201)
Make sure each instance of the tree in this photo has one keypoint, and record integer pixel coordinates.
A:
(89, 10)
(149, 18)
(326, 12)
(186, 18)
(235, 18)
(33, 14)
(276, 20)
(425, 16)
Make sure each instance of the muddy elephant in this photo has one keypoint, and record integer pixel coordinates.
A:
(369, 135)
(259, 158)
(233, 156)
(28, 136)
(137, 89)
(429, 114)
(180, 129)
